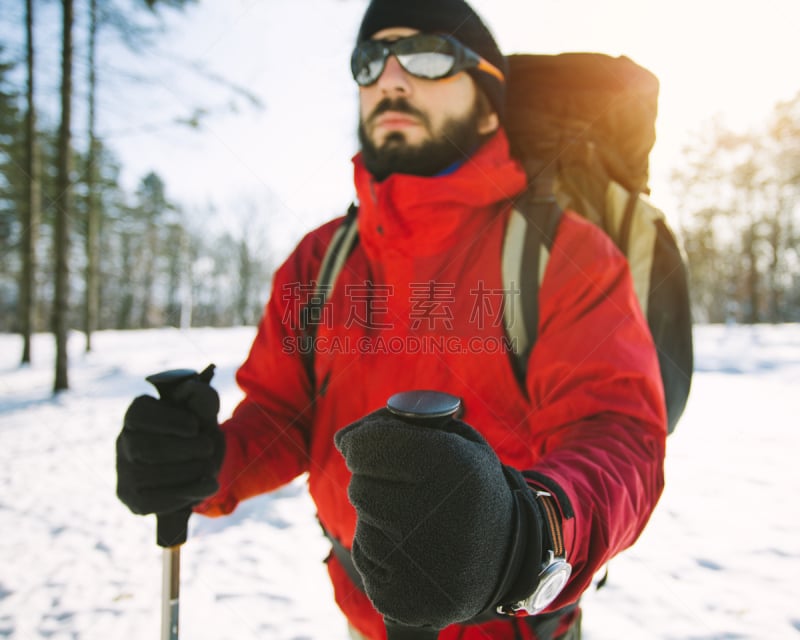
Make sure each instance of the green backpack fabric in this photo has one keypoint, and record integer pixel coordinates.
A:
(583, 126)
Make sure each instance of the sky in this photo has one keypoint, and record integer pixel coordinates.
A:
(718, 560)
(715, 59)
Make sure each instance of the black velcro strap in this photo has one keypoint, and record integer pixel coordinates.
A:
(344, 557)
(401, 632)
(545, 625)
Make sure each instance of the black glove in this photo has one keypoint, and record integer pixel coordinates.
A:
(444, 531)
(169, 454)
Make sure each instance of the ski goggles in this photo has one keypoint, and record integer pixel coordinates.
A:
(430, 56)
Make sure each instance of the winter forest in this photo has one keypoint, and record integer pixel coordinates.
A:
(82, 252)
(79, 251)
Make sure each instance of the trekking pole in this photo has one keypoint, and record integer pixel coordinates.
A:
(171, 528)
(423, 409)
(171, 571)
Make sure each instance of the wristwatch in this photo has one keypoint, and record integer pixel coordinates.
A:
(555, 570)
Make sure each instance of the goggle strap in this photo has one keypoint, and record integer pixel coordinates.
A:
(487, 67)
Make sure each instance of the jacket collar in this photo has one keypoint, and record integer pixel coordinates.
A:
(425, 215)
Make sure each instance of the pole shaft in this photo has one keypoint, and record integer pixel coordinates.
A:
(170, 592)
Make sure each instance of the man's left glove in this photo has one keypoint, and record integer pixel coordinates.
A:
(444, 531)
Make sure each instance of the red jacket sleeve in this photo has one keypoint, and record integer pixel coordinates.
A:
(595, 385)
(267, 437)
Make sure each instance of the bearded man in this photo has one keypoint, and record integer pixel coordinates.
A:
(482, 506)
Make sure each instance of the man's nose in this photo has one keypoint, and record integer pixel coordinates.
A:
(394, 78)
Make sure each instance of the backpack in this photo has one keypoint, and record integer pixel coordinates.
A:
(582, 125)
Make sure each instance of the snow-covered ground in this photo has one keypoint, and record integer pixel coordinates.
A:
(720, 559)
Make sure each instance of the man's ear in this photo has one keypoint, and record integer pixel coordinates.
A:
(488, 123)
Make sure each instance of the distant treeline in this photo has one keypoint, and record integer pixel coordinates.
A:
(740, 220)
(79, 252)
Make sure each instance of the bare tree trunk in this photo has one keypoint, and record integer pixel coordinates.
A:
(752, 279)
(63, 210)
(150, 250)
(774, 288)
(187, 282)
(91, 301)
(246, 278)
(30, 227)
(125, 308)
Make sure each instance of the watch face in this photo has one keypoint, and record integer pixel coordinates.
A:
(551, 582)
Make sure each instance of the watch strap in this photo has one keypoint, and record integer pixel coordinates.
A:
(552, 521)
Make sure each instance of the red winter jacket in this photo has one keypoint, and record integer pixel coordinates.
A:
(417, 307)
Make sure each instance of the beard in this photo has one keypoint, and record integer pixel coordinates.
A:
(457, 141)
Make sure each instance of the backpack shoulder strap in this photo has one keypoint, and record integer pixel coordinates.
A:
(526, 249)
(339, 248)
(660, 280)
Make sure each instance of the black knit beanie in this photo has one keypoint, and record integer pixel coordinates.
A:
(453, 17)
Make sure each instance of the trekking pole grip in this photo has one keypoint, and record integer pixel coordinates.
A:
(171, 528)
(425, 408)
